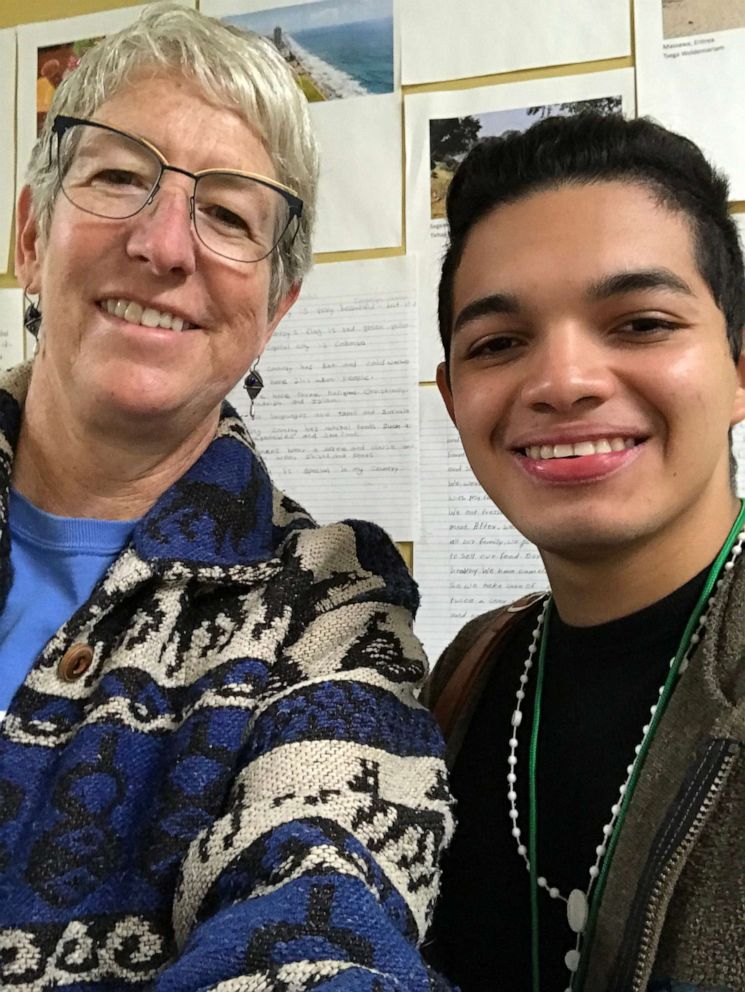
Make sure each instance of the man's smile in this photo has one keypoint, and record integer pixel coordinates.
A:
(601, 446)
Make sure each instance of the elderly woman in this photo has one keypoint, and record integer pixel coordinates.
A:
(213, 772)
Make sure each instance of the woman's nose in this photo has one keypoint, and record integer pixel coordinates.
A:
(162, 233)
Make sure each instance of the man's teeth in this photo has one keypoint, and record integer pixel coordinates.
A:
(134, 313)
(600, 447)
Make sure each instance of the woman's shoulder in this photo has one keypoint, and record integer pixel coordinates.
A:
(349, 552)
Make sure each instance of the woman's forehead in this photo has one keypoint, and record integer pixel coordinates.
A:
(178, 115)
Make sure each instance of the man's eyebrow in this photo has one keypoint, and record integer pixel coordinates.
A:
(486, 305)
(636, 280)
(612, 285)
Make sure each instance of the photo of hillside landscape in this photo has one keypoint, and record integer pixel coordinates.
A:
(450, 139)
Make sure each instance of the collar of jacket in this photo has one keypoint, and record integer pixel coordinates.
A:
(218, 516)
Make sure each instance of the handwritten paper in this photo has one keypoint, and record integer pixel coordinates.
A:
(442, 127)
(689, 58)
(337, 420)
(446, 40)
(11, 327)
(738, 431)
(738, 450)
(468, 558)
(7, 127)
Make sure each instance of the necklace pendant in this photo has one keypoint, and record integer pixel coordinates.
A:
(571, 960)
(577, 910)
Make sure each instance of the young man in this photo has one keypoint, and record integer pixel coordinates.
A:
(591, 309)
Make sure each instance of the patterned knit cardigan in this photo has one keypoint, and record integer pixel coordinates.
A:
(241, 791)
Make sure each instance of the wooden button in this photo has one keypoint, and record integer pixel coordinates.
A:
(75, 662)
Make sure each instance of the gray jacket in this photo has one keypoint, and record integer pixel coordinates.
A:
(672, 917)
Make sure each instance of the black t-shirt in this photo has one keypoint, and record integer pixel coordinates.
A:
(599, 685)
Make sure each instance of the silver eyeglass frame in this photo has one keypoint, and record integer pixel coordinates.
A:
(63, 123)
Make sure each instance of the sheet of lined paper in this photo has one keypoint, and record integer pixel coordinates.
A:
(468, 558)
(337, 420)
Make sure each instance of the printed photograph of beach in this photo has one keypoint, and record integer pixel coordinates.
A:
(337, 48)
(450, 139)
(53, 62)
(691, 17)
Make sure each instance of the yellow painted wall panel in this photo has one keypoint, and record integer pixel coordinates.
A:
(14, 12)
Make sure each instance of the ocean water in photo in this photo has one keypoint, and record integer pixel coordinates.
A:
(349, 59)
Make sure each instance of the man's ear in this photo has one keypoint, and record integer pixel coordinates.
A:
(28, 254)
(443, 384)
(738, 406)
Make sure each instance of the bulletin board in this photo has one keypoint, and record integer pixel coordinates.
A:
(350, 423)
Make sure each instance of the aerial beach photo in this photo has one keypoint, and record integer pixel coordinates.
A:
(450, 139)
(692, 17)
(336, 48)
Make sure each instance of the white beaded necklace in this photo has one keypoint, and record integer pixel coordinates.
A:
(578, 901)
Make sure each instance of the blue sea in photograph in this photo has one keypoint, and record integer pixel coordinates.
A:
(360, 52)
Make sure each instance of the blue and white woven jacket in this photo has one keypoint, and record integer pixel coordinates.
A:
(240, 793)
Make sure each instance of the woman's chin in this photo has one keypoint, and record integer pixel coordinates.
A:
(141, 398)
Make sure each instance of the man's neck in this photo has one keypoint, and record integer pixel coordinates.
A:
(611, 584)
(76, 469)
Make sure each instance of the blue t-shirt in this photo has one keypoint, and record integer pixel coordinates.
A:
(56, 563)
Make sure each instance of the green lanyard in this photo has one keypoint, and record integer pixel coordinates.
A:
(633, 779)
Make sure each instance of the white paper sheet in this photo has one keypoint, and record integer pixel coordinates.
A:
(7, 129)
(689, 58)
(738, 433)
(445, 40)
(11, 327)
(337, 420)
(495, 109)
(468, 558)
(738, 449)
(360, 189)
(40, 71)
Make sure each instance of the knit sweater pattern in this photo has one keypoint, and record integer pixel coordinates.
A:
(241, 792)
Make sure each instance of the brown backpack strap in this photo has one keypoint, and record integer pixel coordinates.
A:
(457, 690)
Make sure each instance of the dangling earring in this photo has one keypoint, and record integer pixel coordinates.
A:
(31, 318)
(253, 384)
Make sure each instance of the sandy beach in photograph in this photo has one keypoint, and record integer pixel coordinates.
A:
(336, 48)
(312, 89)
(690, 17)
(318, 79)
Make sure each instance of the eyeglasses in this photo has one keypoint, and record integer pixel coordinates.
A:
(109, 173)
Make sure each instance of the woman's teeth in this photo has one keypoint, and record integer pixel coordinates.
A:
(600, 447)
(134, 313)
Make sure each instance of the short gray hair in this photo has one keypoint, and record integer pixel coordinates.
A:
(237, 68)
